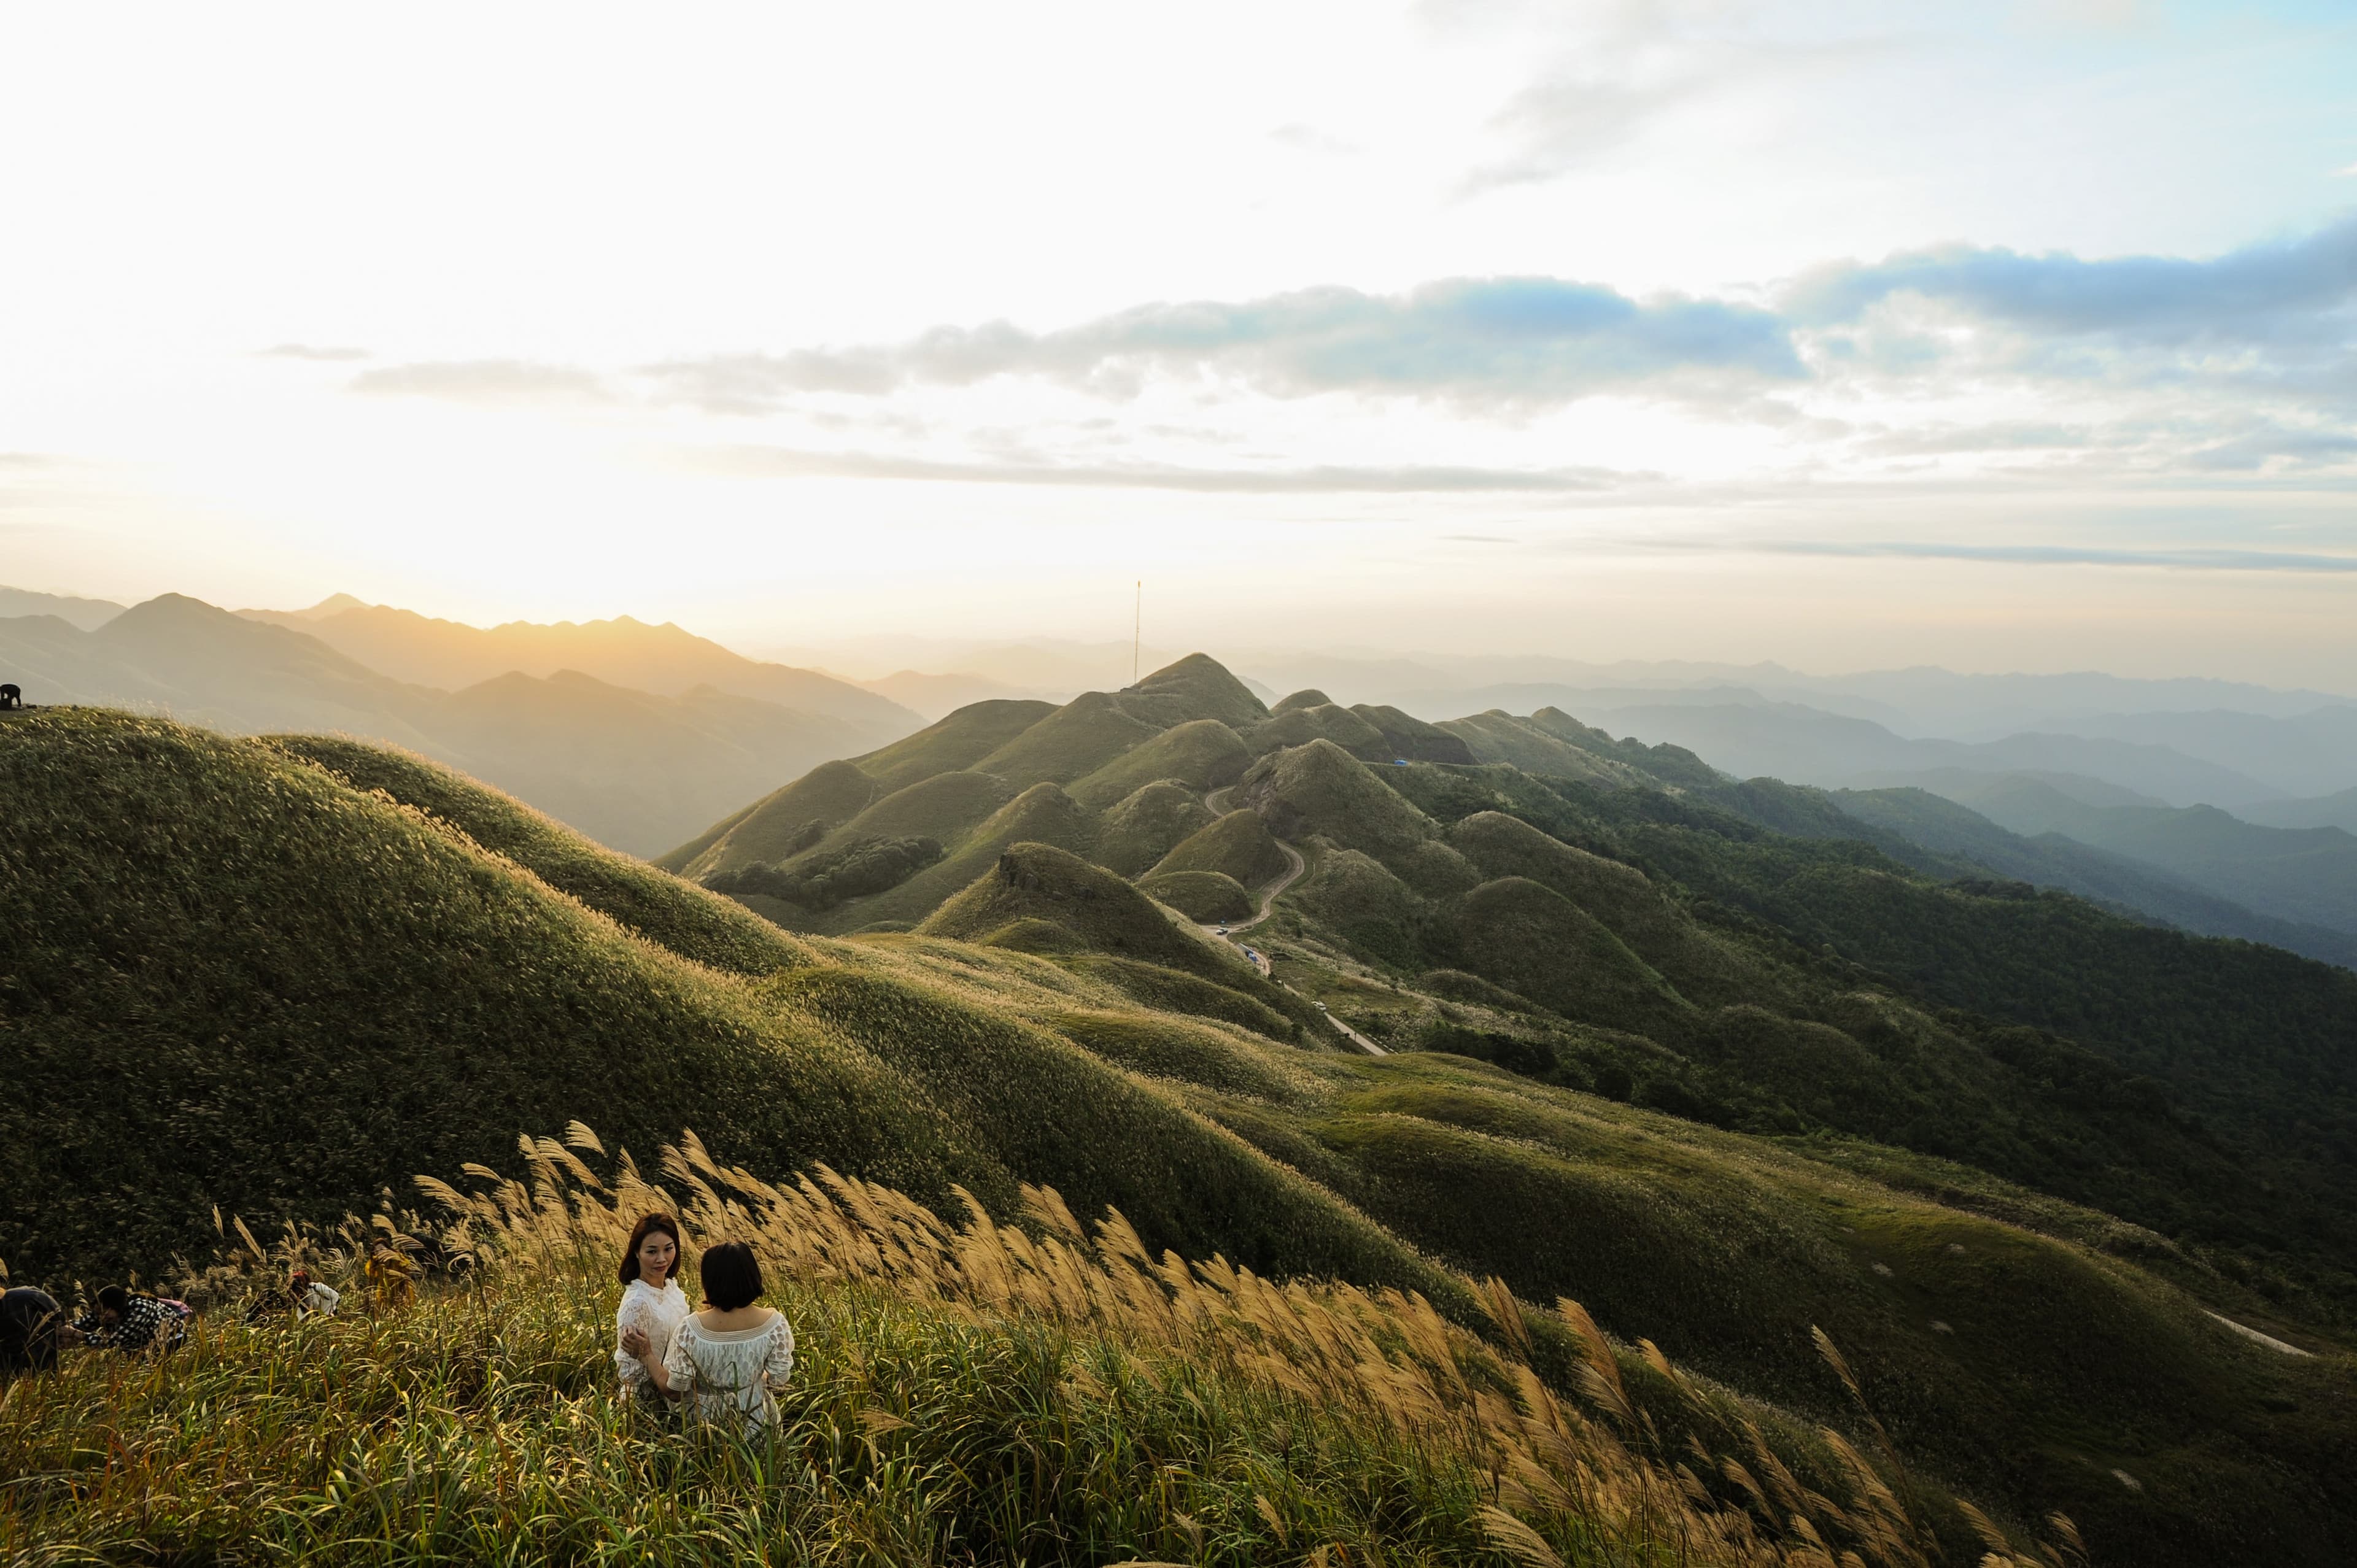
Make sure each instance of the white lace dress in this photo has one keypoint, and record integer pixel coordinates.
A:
(659, 1313)
(732, 1376)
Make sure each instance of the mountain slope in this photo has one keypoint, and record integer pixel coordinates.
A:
(2307, 876)
(2052, 860)
(240, 979)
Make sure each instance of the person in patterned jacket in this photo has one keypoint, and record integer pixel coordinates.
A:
(130, 1321)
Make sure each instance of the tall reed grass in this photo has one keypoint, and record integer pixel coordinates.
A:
(975, 1392)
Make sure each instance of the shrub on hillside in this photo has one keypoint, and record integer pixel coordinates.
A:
(854, 870)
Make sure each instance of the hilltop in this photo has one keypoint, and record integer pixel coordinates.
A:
(253, 974)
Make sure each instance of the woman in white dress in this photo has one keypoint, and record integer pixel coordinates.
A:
(728, 1360)
(652, 1307)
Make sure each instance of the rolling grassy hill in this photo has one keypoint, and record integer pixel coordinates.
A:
(1695, 944)
(278, 976)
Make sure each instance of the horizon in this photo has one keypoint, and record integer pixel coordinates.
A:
(1977, 337)
(843, 660)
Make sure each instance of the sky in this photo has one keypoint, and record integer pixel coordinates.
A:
(2002, 336)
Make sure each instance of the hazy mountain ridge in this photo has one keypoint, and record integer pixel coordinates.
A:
(83, 615)
(623, 652)
(635, 769)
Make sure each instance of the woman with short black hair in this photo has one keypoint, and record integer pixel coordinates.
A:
(729, 1359)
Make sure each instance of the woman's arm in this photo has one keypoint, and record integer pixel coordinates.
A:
(779, 1366)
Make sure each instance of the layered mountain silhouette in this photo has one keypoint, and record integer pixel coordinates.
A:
(633, 765)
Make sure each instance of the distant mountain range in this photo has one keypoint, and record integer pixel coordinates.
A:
(2234, 818)
(664, 660)
(635, 767)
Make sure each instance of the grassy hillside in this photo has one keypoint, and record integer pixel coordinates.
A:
(955, 744)
(1143, 827)
(1200, 896)
(915, 1428)
(240, 981)
(780, 824)
(1201, 754)
(1697, 943)
(1302, 723)
(1074, 741)
(1237, 844)
(247, 981)
(1034, 881)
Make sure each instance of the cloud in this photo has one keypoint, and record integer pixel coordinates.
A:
(1572, 117)
(1303, 137)
(2055, 555)
(311, 351)
(495, 381)
(2016, 436)
(784, 462)
(2256, 450)
(2267, 293)
(1497, 341)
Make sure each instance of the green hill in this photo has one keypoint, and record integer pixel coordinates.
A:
(1148, 824)
(1238, 844)
(1201, 754)
(1196, 687)
(1201, 896)
(1497, 736)
(238, 979)
(1303, 723)
(1070, 743)
(778, 824)
(953, 744)
(1034, 881)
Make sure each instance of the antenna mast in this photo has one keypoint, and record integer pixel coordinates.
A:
(1137, 627)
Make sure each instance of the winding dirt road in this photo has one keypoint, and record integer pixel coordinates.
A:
(1218, 801)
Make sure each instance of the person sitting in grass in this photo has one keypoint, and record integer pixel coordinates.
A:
(130, 1321)
(730, 1359)
(29, 1323)
(652, 1306)
(302, 1296)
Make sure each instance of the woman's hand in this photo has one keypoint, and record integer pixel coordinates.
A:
(635, 1343)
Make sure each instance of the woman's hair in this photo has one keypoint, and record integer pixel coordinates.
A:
(114, 1298)
(655, 1219)
(732, 1276)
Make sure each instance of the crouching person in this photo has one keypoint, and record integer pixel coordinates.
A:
(130, 1321)
(30, 1325)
